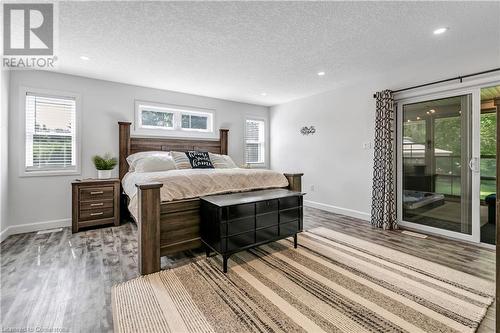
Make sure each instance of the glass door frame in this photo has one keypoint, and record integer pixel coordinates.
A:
(474, 89)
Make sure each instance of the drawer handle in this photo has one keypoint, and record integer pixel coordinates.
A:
(96, 214)
(97, 204)
(96, 192)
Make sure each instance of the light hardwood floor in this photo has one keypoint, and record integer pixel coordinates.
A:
(59, 280)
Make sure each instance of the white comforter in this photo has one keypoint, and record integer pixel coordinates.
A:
(193, 183)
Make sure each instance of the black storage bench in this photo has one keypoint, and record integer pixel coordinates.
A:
(235, 222)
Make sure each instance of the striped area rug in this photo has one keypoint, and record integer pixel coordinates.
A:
(332, 283)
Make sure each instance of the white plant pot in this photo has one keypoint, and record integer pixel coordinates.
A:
(103, 174)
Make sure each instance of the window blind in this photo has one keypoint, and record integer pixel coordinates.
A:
(254, 141)
(50, 132)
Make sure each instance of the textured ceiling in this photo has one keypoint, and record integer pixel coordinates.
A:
(237, 50)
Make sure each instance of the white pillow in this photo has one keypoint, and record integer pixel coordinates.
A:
(134, 158)
(155, 163)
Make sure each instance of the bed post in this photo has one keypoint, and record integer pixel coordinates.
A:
(294, 181)
(124, 148)
(223, 140)
(148, 225)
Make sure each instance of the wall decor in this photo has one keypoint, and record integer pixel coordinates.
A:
(307, 130)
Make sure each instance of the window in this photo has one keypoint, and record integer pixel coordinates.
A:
(254, 141)
(194, 122)
(164, 119)
(50, 134)
(152, 117)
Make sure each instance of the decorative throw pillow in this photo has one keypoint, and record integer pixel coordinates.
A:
(155, 163)
(199, 160)
(218, 161)
(181, 160)
(222, 161)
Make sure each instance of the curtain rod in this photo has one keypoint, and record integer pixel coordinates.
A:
(445, 80)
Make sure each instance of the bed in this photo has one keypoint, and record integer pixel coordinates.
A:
(165, 205)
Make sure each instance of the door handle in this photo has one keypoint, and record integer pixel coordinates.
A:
(474, 164)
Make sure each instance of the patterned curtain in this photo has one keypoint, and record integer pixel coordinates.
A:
(383, 196)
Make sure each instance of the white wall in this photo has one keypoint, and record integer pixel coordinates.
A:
(4, 113)
(45, 202)
(333, 160)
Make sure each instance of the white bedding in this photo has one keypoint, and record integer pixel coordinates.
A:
(193, 183)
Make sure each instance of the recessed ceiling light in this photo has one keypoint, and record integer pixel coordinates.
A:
(84, 58)
(321, 73)
(263, 94)
(440, 31)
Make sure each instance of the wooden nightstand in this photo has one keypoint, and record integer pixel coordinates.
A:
(95, 202)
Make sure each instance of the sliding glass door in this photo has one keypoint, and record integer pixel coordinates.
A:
(436, 173)
(490, 103)
(446, 162)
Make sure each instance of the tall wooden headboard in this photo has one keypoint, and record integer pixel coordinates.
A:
(131, 145)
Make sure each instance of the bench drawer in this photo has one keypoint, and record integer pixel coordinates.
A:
(267, 234)
(289, 215)
(238, 241)
(239, 211)
(241, 225)
(289, 202)
(267, 220)
(266, 206)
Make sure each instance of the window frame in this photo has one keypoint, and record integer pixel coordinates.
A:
(176, 130)
(264, 143)
(23, 171)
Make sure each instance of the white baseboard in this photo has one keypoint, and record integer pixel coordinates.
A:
(36, 226)
(43, 225)
(338, 210)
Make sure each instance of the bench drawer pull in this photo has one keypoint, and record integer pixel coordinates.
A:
(97, 204)
(96, 214)
(96, 192)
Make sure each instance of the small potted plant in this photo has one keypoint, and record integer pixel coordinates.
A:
(104, 165)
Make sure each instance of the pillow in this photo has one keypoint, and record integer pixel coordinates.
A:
(218, 161)
(222, 161)
(155, 163)
(199, 159)
(181, 160)
(134, 158)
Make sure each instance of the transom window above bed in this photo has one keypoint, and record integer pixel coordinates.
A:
(172, 120)
(51, 133)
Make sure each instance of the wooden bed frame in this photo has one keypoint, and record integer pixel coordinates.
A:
(168, 227)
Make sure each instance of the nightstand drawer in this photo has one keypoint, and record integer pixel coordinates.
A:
(99, 204)
(96, 214)
(96, 193)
